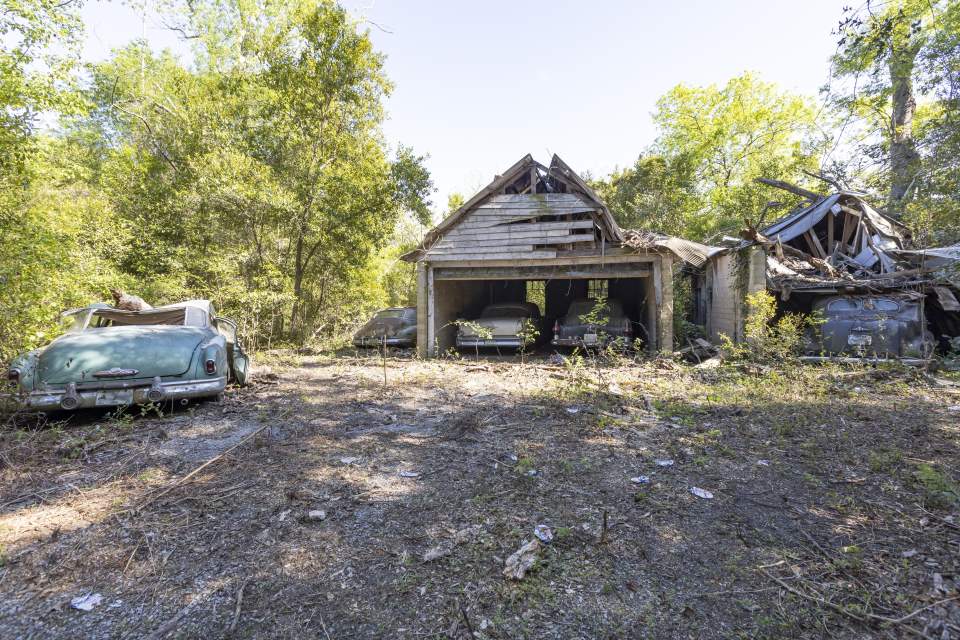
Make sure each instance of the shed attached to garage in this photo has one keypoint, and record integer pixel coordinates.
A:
(539, 234)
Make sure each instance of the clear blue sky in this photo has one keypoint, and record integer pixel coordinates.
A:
(479, 84)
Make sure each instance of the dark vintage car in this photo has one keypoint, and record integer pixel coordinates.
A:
(510, 325)
(113, 357)
(869, 326)
(396, 326)
(588, 324)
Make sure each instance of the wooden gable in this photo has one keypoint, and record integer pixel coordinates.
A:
(531, 211)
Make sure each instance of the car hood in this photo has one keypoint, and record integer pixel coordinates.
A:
(507, 326)
(150, 350)
(379, 327)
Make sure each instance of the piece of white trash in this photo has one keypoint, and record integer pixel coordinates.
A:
(409, 474)
(701, 493)
(86, 602)
(663, 462)
(640, 480)
(543, 532)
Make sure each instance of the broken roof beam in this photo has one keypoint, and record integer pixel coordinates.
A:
(792, 188)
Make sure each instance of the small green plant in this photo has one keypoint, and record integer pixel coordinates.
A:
(884, 460)
(524, 465)
(768, 339)
(939, 490)
(528, 335)
(478, 330)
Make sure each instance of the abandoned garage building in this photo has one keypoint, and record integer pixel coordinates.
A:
(539, 234)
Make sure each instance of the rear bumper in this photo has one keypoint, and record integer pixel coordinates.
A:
(911, 362)
(373, 341)
(112, 396)
(505, 342)
(577, 341)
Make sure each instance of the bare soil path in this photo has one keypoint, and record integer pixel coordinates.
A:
(345, 507)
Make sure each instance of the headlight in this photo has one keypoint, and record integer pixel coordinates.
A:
(13, 375)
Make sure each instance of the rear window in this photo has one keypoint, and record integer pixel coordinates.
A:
(390, 313)
(583, 307)
(182, 316)
(507, 310)
(843, 305)
(883, 304)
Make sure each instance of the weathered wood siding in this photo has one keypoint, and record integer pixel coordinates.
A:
(510, 226)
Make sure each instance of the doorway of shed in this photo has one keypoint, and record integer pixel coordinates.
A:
(455, 299)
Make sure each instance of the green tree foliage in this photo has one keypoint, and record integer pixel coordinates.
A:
(53, 238)
(897, 80)
(698, 178)
(261, 179)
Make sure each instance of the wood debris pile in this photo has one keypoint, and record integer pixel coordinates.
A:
(834, 243)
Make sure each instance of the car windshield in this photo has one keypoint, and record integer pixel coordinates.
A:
(506, 311)
(389, 313)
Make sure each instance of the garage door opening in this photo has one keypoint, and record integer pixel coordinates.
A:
(463, 298)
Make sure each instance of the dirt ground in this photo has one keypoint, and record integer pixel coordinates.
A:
(344, 506)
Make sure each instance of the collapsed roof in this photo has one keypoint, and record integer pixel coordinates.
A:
(692, 252)
(835, 242)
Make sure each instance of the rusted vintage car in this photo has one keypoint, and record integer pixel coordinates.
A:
(590, 323)
(396, 326)
(878, 326)
(112, 357)
(510, 325)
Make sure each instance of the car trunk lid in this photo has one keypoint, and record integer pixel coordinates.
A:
(863, 334)
(379, 327)
(508, 326)
(120, 353)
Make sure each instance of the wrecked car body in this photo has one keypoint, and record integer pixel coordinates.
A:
(509, 325)
(592, 323)
(884, 326)
(394, 327)
(113, 357)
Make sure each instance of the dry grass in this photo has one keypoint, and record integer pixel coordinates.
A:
(835, 509)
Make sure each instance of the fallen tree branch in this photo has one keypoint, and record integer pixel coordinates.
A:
(792, 188)
(236, 611)
(830, 181)
(866, 617)
(206, 464)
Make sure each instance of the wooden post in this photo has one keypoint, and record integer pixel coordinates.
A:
(423, 341)
(665, 324)
(652, 312)
(431, 315)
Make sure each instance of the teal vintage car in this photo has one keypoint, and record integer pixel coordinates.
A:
(111, 357)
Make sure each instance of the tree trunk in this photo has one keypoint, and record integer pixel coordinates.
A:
(903, 153)
(297, 285)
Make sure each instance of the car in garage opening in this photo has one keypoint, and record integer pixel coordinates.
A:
(869, 326)
(114, 357)
(593, 323)
(510, 325)
(395, 327)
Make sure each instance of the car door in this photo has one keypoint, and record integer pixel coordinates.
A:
(239, 361)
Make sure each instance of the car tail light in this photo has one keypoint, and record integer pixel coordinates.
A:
(628, 329)
(210, 366)
(13, 375)
(556, 329)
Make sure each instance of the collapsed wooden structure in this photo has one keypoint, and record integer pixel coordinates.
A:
(537, 230)
(838, 244)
